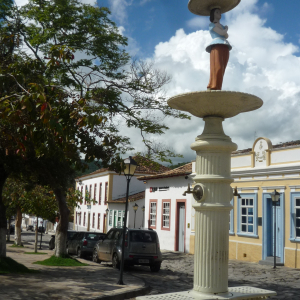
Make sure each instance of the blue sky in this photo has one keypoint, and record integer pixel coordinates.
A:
(152, 21)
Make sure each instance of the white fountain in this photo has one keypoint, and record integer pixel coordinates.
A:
(212, 190)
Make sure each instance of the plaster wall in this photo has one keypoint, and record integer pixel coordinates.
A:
(120, 185)
(243, 161)
(177, 186)
(285, 156)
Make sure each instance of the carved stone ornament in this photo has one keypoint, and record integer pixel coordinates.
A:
(260, 155)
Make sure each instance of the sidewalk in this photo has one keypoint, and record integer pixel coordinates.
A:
(92, 282)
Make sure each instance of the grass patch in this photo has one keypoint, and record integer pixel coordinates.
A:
(8, 265)
(38, 253)
(61, 262)
(17, 246)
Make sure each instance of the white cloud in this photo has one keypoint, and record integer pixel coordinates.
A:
(198, 22)
(260, 63)
(118, 9)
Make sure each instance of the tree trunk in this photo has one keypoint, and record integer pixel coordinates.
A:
(62, 227)
(18, 227)
(3, 221)
(36, 235)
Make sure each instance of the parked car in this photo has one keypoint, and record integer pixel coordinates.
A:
(83, 243)
(41, 229)
(30, 227)
(70, 234)
(141, 248)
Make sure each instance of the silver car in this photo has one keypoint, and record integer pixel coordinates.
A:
(141, 248)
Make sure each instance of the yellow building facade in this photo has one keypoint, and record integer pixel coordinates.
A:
(257, 172)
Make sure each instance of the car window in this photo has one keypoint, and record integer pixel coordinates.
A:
(117, 235)
(142, 236)
(110, 235)
(93, 237)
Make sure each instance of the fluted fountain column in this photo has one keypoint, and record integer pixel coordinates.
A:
(213, 150)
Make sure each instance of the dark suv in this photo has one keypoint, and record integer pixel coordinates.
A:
(83, 243)
(141, 248)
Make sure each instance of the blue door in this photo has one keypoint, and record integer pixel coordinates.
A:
(268, 228)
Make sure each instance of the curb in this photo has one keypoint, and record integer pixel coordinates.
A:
(115, 295)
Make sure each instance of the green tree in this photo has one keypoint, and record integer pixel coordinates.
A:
(67, 96)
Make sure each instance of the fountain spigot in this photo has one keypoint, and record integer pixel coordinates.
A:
(235, 193)
(197, 192)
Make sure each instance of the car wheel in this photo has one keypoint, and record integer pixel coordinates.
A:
(115, 261)
(95, 257)
(155, 267)
(79, 253)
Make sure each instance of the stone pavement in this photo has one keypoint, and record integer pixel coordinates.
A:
(96, 281)
(177, 275)
(99, 281)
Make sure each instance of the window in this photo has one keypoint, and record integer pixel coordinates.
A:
(247, 215)
(93, 222)
(295, 217)
(152, 211)
(100, 192)
(231, 216)
(110, 218)
(106, 188)
(98, 223)
(86, 193)
(79, 218)
(120, 218)
(84, 219)
(95, 191)
(166, 204)
(90, 192)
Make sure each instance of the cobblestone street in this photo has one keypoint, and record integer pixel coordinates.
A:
(177, 271)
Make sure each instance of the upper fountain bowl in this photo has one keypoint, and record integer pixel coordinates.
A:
(203, 7)
(224, 104)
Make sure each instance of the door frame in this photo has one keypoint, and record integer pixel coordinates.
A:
(266, 219)
(178, 202)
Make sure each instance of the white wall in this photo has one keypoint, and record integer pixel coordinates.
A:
(291, 155)
(177, 186)
(119, 185)
(241, 161)
(130, 215)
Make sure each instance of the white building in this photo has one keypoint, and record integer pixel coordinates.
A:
(108, 189)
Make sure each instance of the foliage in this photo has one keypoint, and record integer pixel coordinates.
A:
(34, 200)
(177, 165)
(8, 265)
(66, 261)
(67, 89)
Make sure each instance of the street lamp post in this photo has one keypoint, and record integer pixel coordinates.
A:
(130, 166)
(143, 209)
(135, 207)
(275, 202)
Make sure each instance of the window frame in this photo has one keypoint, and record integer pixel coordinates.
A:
(162, 214)
(98, 221)
(93, 221)
(106, 192)
(231, 218)
(293, 197)
(95, 191)
(84, 218)
(100, 192)
(152, 201)
(255, 226)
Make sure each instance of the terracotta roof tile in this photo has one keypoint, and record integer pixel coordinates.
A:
(180, 171)
(131, 198)
(278, 146)
(145, 166)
